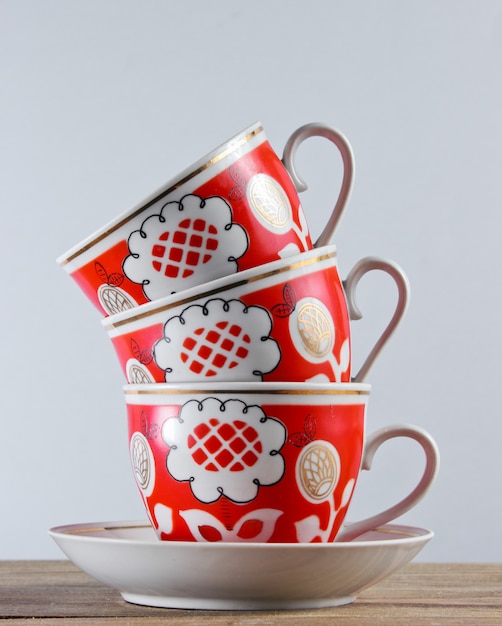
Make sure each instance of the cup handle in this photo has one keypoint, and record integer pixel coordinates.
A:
(350, 285)
(293, 143)
(374, 441)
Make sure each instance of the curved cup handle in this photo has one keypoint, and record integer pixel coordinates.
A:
(350, 285)
(293, 143)
(374, 441)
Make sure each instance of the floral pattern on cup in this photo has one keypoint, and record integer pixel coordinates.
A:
(271, 207)
(313, 332)
(218, 338)
(176, 242)
(224, 449)
(114, 300)
(142, 463)
(257, 526)
(137, 372)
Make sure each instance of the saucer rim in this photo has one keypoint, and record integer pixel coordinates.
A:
(151, 572)
(402, 533)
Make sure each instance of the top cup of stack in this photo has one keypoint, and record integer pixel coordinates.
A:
(234, 209)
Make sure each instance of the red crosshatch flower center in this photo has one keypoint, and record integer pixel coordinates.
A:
(231, 446)
(177, 254)
(207, 351)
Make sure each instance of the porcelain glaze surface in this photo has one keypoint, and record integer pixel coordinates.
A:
(128, 557)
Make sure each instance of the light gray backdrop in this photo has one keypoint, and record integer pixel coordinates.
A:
(103, 101)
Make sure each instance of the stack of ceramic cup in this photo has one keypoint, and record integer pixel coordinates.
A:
(233, 331)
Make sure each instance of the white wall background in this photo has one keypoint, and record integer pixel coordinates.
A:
(103, 101)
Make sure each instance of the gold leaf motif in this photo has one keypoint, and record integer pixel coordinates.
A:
(318, 471)
(269, 201)
(315, 329)
(114, 300)
(140, 460)
(138, 375)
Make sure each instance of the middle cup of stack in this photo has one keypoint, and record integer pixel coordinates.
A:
(283, 321)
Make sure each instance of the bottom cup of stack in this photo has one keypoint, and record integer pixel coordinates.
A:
(258, 462)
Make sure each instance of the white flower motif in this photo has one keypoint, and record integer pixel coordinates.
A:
(224, 448)
(223, 339)
(188, 242)
(256, 526)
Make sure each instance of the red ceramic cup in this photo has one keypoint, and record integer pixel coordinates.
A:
(235, 208)
(283, 321)
(257, 462)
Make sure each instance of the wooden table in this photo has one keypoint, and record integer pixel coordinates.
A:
(56, 592)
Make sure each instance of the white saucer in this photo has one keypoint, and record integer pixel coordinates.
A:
(128, 556)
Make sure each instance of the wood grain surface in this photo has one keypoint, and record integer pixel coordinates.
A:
(56, 592)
